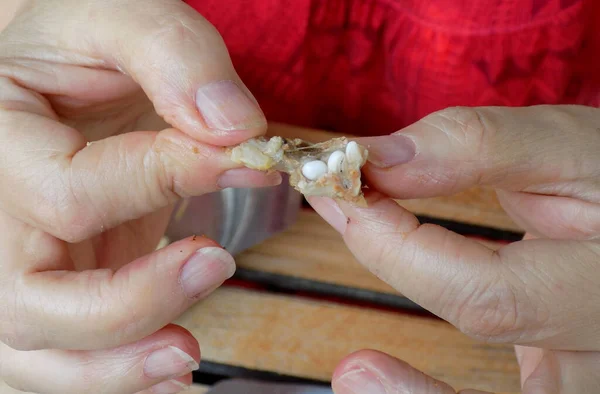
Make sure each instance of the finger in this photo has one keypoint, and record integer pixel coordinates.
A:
(172, 386)
(539, 149)
(53, 181)
(373, 372)
(555, 217)
(6, 389)
(545, 371)
(50, 305)
(537, 157)
(469, 391)
(529, 292)
(529, 359)
(162, 360)
(178, 58)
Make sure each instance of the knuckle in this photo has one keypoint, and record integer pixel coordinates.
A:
(168, 183)
(16, 331)
(468, 127)
(93, 377)
(40, 194)
(59, 214)
(126, 327)
(117, 310)
(492, 313)
(168, 29)
(381, 255)
(18, 341)
(176, 29)
(68, 221)
(166, 179)
(448, 177)
(101, 376)
(71, 215)
(13, 335)
(472, 133)
(103, 308)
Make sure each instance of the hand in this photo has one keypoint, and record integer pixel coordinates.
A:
(540, 293)
(109, 112)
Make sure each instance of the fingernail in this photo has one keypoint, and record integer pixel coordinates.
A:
(169, 362)
(330, 211)
(205, 269)
(247, 178)
(225, 106)
(359, 380)
(390, 150)
(169, 387)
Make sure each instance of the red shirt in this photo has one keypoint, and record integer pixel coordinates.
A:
(375, 66)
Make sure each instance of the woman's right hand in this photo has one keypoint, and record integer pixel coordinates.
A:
(110, 111)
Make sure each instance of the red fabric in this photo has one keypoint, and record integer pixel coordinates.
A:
(374, 66)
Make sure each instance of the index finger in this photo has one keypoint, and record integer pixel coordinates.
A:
(176, 56)
(56, 182)
(529, 292)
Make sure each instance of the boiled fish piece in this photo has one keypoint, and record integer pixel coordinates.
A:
(327, 169)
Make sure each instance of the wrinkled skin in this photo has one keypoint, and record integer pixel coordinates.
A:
(101, 131)
(540, 294)
(78, 223)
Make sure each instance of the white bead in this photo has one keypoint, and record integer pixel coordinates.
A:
(315, 169)
(353, 153)
(334, 163)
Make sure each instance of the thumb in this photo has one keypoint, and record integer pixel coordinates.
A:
(176, 56)
(73, 190)
(528, 149)
(373, 372)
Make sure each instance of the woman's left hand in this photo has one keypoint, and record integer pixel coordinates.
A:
(541, 294)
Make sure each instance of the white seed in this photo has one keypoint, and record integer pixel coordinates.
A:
(353, 153)
(334, 163)
(315, 169)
